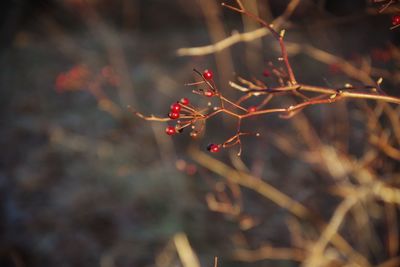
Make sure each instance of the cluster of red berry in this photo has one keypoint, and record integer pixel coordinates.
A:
(208, 76)
(81, 77)
(74, 79)
(175, 113)
(183, 109)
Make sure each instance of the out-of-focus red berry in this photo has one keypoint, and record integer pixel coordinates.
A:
(114, 80)
(191, 169)
(209, 93)
(61, 82)
(334, 68)
(252, 109)
(381, 55)
(75, 79)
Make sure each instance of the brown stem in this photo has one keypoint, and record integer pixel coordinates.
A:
(278, 37)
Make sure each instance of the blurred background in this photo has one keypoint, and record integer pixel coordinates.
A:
(83, 182)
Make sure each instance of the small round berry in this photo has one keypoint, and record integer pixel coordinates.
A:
(208, 75)
(191, 169)
(251, 109)
(176, 107)
(213, 148)
(170, 130)
(185, 101)
(396, 20)
(209, 93)
(266, 73)
(173, 115)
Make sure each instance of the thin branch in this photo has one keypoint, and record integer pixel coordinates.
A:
(278, 37)
(239, 37)
(269, 252)
(316, 256)
(269, 192)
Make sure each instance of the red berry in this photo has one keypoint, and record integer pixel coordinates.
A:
(208, 75)
(213, 148)
(61, 82)
(396, 20)
(334, 68)
(173, 115)
(176, 107)
(266, 73)
(252, 109)
(185, 101)
(209, 93)
(170, 130)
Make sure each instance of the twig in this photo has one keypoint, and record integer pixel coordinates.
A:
(277, 36)
(239, 37)
(269, 252)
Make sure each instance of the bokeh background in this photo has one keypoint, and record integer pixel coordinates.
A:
(81, 186)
